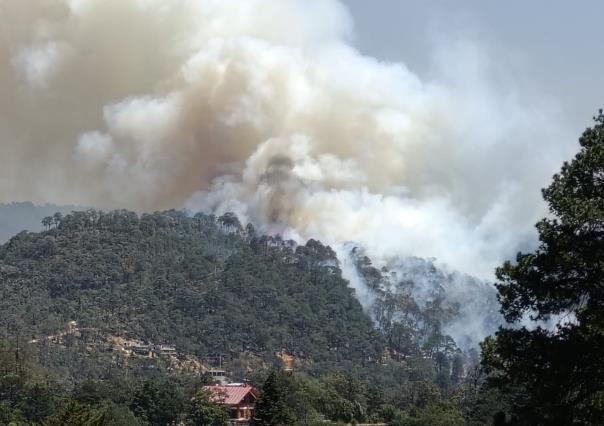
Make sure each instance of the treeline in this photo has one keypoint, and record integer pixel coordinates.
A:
(342, 399)
(29, 395)
(17, 217)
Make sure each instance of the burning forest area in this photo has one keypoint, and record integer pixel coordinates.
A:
(301, 212)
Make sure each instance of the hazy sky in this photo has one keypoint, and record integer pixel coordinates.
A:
(551, 47)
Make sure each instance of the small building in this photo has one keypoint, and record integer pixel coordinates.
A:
(166, 350)
(219, 375)
(141, 349)
(240, 400)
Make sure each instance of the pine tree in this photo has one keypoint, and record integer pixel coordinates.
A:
(273, 409)
(204, 412)
(556, 374)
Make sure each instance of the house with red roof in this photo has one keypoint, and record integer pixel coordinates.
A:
(239, 398)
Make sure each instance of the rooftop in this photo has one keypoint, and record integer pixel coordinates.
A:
(231, 394)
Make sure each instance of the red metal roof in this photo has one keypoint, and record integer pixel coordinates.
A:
(230, 395)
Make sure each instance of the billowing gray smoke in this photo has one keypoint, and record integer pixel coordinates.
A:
(263, 108)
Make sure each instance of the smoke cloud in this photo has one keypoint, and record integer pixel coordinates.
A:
(266, 109)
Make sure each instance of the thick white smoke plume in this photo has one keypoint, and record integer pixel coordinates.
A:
(264, 108)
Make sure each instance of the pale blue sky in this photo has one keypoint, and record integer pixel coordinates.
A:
(553, 48)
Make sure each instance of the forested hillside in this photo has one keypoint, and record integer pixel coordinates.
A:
(203, 284)
(215, 290)
(420, 307)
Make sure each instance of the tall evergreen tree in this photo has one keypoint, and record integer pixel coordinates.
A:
(556, 374)
(273, 409)
(202, 411)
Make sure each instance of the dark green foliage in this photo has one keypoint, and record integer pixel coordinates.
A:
(344, 399)
(32, 397)
(108, 414)
(158, 402)
(556, 376)
(337, 397)
(274, 408)
(209, 287)
(75, 414)
(200, 283)
(435, 414)
(201, 411)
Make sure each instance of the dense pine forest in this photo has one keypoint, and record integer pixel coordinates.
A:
(204, 291)
(214, 289)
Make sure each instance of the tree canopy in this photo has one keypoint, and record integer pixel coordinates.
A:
(554, 369)
(214, 289)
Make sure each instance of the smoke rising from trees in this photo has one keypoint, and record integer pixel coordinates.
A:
(266, 109)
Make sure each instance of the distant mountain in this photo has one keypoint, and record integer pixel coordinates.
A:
(17, 217)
